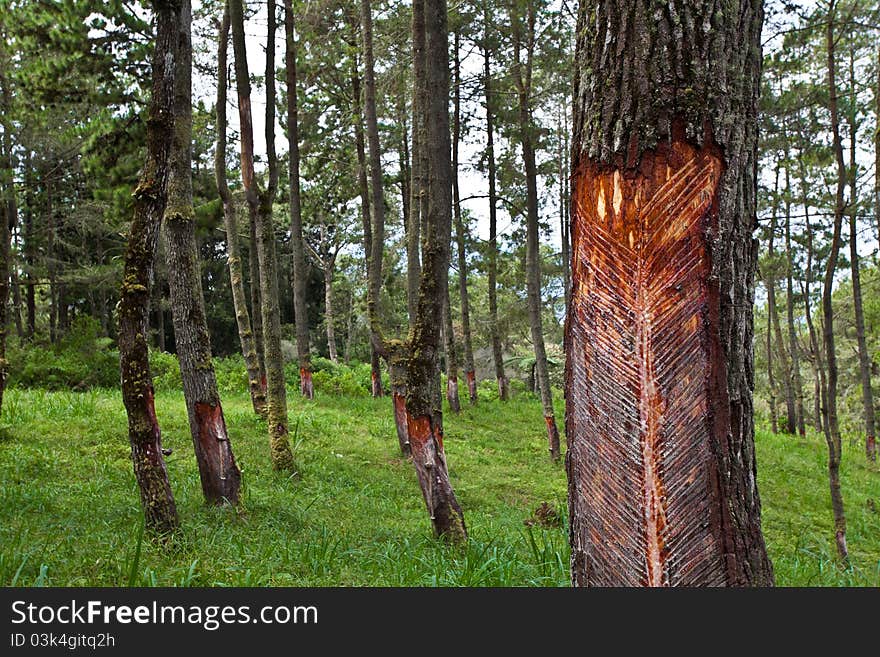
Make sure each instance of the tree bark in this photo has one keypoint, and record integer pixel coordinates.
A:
(230, 222)
(832, 427)
(363, 186)
(160, 512)
(424, 414)
(218, 471)
(451, 357)
(793, 343)
(300, 267)
(497, 354)
(329, 313)
(523, 76)
(260, 205)
(417, 169)
(661, 457)
(461, 232)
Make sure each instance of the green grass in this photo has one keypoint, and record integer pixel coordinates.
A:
(70, 515)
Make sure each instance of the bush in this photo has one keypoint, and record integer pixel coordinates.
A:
(83, 359)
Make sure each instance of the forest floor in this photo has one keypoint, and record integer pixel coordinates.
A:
(70, 514)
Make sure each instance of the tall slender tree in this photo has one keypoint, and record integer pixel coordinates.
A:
(260, 206)
(300, 269)
(424, 413)
(661, 457)
(160, 511)
(230, 223)
(217, 468)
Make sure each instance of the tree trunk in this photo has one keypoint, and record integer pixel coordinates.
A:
(260, 205)
(461, 233)
(497, 354)
(144, 436)
(8, 219)
(218, 471)
(564, 219)
(424, 414)
(771, 378)
(417, 169)
(230, 222)
(797, 383)
(523, 75)
(832, 428)
(300, 268)
(256, 300)
(363, 186)
(329, 313)
(661, 457)
(397, 359)
(864, 355)
(451, 357)
(29, 252)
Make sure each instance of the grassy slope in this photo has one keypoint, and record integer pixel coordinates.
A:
(69, 513)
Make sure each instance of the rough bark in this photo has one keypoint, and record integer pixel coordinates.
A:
(256, 302)
(260, 206)
(564, 219)
(160, 512)
(461, 232)
(497, 355)
(397, 360)
(425, 415)
(230, 222)
(300, 268)
(523, 76)
(661, 458)
(831, 424)
(218, 471)
(329, 309)
(793, 345)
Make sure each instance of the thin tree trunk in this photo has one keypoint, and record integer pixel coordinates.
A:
(256, 299)
(260, 205)
(218, 471)
(771, 378)
(864, 355)
(424, 416)
(877, 147)
(523, 75)
(417, 169)
(797, 382)
(659, 361)
(363, 186)
(451, 357)
(29, 250)
(230, 221)
(497, 354)
(460, 232)
(832, 428)
(144, 436)
(564, 194)
(300, 267)
(8, 219)
(329, 313)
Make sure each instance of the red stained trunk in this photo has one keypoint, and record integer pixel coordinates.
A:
(552, 436)
(471, 378)
(306, 387)
(452, 394)
(430, 462)
(221, 477)
(376, 375)
(401, 420)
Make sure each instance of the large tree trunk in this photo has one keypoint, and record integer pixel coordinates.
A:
(793, 343)
(864, 355)
(144, 436)
(260, 205)
(417, 169)
(300, 268)
(220, 475)
(424, 414)
(230, 222)
(832, 427)
(523, 75)
(497, 354)
(461, 232)
(661, 457)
